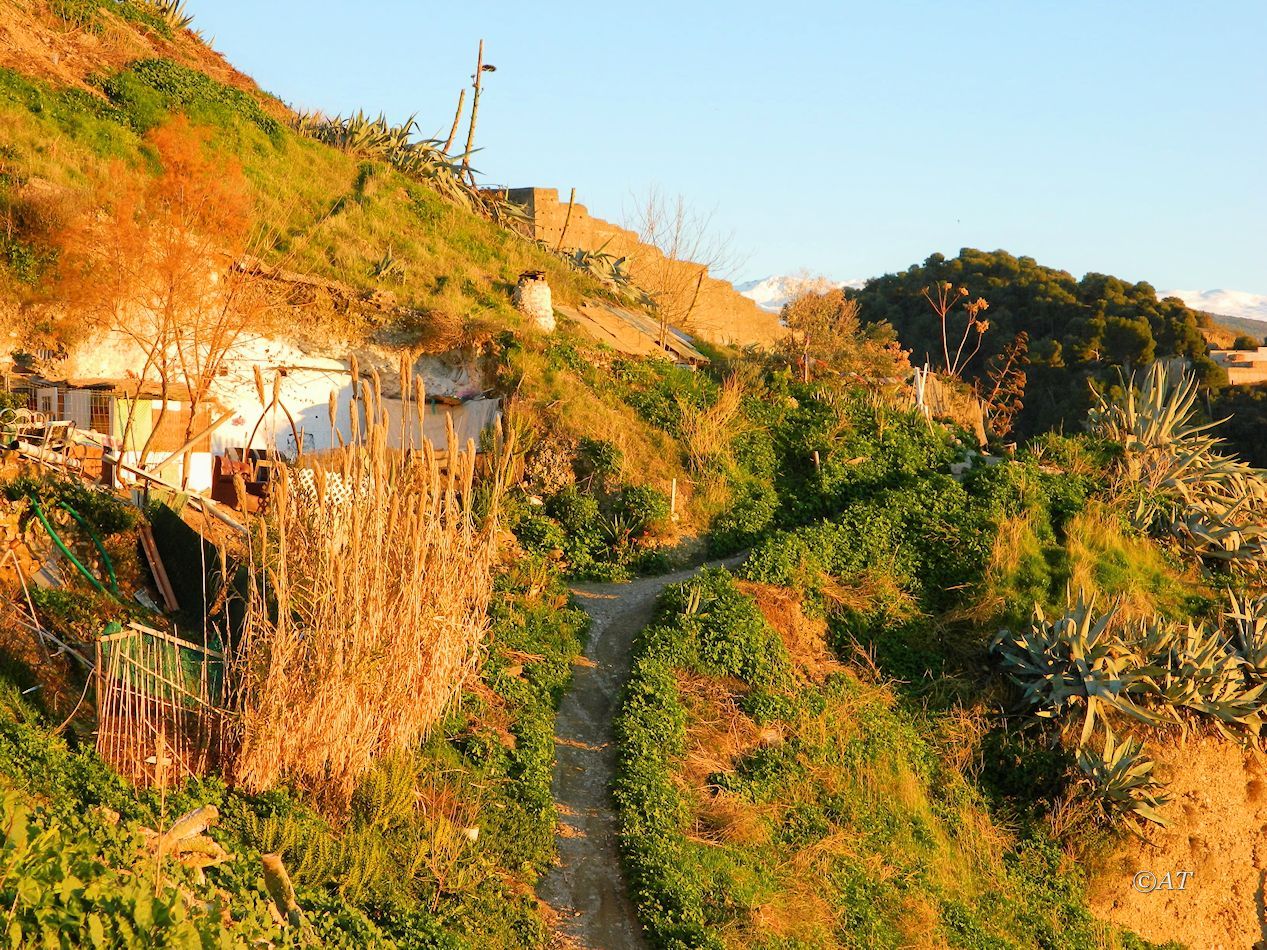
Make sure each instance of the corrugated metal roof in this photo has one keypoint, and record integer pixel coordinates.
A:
(630, 332)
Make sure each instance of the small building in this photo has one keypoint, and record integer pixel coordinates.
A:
(153, 420)
(1244, 367)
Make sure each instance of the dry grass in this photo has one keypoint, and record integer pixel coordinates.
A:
(719, 731)
(366, 612)
(35, 41)
(554, 400)
(709, 432)
(805, 638)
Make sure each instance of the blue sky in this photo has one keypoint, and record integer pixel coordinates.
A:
(850, 139)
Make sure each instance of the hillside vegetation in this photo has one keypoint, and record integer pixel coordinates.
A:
(924, 709)
(439, 272)
(1079, 331)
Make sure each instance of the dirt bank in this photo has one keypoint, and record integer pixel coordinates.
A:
(1217, 833)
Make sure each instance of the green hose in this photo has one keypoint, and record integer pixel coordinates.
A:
(39, 512)
(105, 558)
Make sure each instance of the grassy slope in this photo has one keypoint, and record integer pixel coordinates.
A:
(319, 211)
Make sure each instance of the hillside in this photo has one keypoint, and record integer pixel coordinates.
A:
(317, 210)
(349, 598)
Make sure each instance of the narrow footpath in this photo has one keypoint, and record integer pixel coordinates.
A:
(587, 887)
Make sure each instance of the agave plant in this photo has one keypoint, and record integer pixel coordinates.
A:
(1215, 506)
(1190, 667)
(1245, 622)
(1075, 660)
(608, 269)
(1120, 777)
(171, 12)
(397, 145)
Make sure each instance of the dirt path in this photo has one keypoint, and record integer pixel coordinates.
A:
(587, 888)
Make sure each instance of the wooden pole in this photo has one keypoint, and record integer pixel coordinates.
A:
(475, 112)
(205, 431)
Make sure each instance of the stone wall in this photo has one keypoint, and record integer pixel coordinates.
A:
(721, 314)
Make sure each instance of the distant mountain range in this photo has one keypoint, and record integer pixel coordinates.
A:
(771, 293)
(1223, 303)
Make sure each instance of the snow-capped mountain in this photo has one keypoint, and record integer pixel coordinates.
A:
(771, 293)
(1227, 303)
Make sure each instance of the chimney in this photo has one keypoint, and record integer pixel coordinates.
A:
(532, 298)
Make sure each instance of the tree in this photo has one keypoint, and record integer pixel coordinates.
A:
(1246, 342)
(686, 251)
(827, 336)
(162, 266)
(1081, 330)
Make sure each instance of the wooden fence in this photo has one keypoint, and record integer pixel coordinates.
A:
(158, 705)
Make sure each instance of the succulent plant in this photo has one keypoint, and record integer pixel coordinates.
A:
(1120, 778)
(397, 145)
(171, 12)
(1245, 624)
(1076, 660)
(1191, 667)
(1213, 505)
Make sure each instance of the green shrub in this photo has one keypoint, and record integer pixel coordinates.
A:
(539, 533)
(749, 516)
(27, 262)
(149, 89)
(644, 507)
(60, 892)
(105, 511)
(597, 461)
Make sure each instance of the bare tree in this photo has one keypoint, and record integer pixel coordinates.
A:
(159, 267)
(944, 297)
(690, 250)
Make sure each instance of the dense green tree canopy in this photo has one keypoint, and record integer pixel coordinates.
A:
(1080, 331)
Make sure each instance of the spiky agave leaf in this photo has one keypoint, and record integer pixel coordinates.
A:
(1191, 667)
(1212, 505)
(1120, 777)
(1075, 660)
(1245, 623)
(171, 12)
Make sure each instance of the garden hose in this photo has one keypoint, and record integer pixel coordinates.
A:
(96, 540)
(39, 512)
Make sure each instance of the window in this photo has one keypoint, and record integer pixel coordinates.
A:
(99, 410)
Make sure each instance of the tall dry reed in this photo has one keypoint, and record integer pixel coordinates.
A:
(366, 606)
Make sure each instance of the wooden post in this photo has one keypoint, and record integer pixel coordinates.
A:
(185, 449)
(475, 112)
(673, 500)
